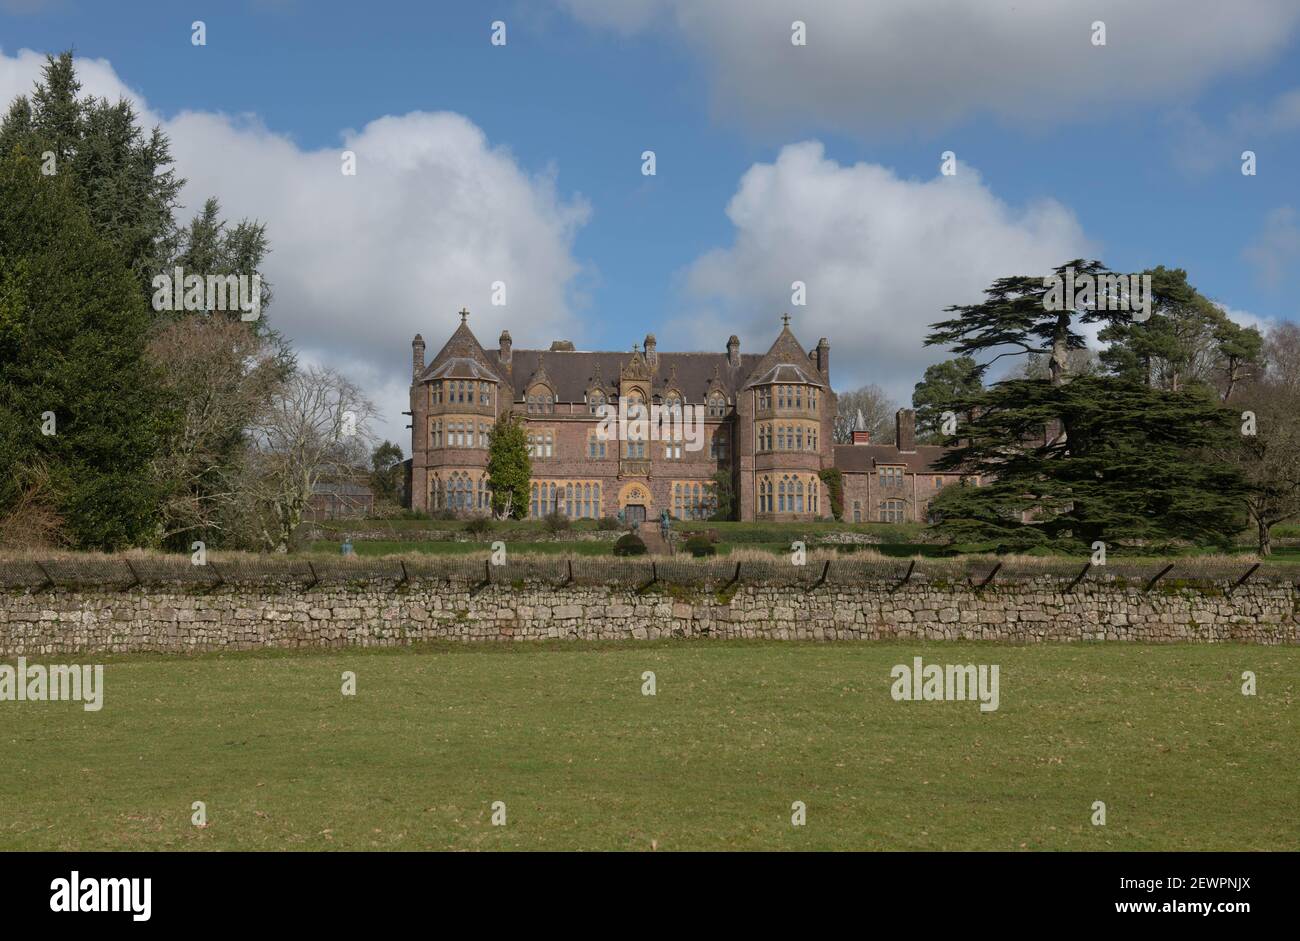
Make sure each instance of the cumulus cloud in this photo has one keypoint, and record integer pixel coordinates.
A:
(900, 63)
(434, 215)
(881, 257)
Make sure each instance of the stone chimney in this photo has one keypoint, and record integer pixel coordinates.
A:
(733, 351)
(860, 433)
(651, 350)
(417, 357)
(503, 351)
(824, 357)
(905, 430)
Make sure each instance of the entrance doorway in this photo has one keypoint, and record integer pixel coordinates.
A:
(636, 512)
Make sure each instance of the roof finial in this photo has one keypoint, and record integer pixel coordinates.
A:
(785, 319)
(464, 314)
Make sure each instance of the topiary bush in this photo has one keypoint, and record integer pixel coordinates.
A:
(629, 544)
(700, 546)
(555, 522)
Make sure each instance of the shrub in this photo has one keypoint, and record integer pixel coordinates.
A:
(607, 523)
(700, 546)
(555, 522)
(446, 513)
(629, 544)
(833, 478)
(479, 526)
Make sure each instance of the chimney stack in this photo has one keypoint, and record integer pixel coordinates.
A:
(905, 430)
(417, 357)
(733, 351)
(824, 357)
(503, 350)
(651, 347)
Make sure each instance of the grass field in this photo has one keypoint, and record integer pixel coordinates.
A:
(736, 733)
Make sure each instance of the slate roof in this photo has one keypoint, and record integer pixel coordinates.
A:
(572, 373)
(460, 367)
(863, 458)
(786, 372)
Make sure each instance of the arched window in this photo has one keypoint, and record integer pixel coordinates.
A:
(533, 504)
(717, 405)
(595, 400)
(798, 495)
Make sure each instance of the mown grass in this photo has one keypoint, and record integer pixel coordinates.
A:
(737, 732)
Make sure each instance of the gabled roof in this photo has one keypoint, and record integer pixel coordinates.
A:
(785, 372)
(865, 458)
(463, 345)
(460, 367)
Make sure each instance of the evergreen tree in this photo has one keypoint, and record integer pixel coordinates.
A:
(943, 384)
(123, 177)
(1065, 462)
(1188, 340)
(73, 328)
(1017, 318)
(1131, 467)
(509, 467)
(722, 496)
(385, 470)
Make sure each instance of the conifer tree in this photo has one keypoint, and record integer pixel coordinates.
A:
(509, 467)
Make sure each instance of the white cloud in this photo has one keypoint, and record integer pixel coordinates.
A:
(1275, 252)
(881, 256)
(1245, 318)
(359, 264)
(930, 64)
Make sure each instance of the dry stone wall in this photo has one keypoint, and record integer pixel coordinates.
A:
(180, 618)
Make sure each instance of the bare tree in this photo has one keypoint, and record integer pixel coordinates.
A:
(317, 427)
(1267, 454)
(1282, 356)
(221, 375)
(877, 410)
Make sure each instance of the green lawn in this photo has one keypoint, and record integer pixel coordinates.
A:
(737, 732)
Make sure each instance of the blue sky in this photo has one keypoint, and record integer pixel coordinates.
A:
(830, 151)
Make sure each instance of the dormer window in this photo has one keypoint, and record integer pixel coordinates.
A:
(717, 405)
(595, 401)
(540, 401)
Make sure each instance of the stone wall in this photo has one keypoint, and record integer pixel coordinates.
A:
(177, 618)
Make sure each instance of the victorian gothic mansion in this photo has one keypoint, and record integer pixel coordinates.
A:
(767, 422)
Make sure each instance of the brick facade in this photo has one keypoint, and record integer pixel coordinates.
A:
(767, 422)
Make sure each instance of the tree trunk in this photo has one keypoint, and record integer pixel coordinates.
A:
(1265, 539)
(1057, 364)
